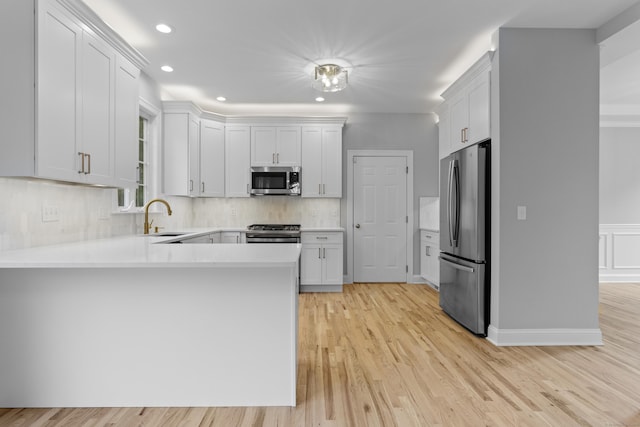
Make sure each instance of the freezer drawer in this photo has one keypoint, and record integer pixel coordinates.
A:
(463, 293)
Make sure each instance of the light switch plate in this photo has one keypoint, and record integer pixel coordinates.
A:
(522, 213)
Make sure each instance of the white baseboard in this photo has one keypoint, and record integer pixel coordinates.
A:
(320, 288)
(543, 337)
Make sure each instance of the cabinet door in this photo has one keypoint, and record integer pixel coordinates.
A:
(332, 264)
(459, 117)
(237, 159)
(424, 260)
(433, 263)
(311, 162)
(176, 154)
(263, 146)
(98, 67)
(230, 237)
(311, 265)
(479, 108)
(194, 155)
(331, 163)
(288, 146)
(127, 112)
(211, 159)
(58, 95)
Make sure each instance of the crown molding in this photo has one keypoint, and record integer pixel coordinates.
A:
(190, 107)
(96, 25)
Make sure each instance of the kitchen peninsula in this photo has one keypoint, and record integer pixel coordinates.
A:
(137, 321)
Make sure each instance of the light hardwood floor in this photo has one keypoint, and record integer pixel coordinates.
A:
(386, 355)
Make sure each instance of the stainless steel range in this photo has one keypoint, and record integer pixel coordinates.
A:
(273, 233)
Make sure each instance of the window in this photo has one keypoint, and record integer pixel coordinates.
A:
(124, 198)
(141, 191)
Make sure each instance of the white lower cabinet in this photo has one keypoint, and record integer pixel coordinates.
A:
(232, 237)
(429, 251)
(321, 262)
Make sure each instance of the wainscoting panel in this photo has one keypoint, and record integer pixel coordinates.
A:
(619, 252)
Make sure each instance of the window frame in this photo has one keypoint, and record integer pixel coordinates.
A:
(151, 114)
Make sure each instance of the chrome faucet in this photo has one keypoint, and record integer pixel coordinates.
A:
(147, 224)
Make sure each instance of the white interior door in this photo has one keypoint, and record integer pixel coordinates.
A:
(380, 219)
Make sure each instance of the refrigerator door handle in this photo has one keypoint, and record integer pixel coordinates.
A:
(457, 266)
(449, 201)
(454, 203)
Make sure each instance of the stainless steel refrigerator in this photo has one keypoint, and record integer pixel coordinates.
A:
(465, 236)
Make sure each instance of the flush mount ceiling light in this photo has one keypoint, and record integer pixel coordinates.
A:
(221, 98)
(330, 78)
(164, 28)
(167, 68)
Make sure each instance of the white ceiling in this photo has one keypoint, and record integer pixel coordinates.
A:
(404, 53)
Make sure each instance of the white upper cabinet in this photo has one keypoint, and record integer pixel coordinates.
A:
(61, 94)
(212, 168)
(275, 146)
(97, 148)
(180, 146)
(465, 115)
(237, 150)
(322, 161)
(127, 111)
(59, 44)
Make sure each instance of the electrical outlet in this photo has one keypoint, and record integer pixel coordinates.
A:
(50, 213)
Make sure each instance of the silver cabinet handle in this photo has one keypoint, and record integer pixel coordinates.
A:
(319, 188)
(190, 185)
(88, 164)
(321, 237)
(203, 187)
(278, 158)
(357, 225)
(324, 189)
(82, 160)
(427, 251)
(319, 256)
(324, 253)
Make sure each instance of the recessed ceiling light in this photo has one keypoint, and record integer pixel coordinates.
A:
(320, 99)
(164, 28)
(167, 68)
(221, 98)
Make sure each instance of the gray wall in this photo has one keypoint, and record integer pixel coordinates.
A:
(417, 132)
(619, 179)
(545, 155)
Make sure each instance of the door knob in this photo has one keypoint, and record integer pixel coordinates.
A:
(357, 225)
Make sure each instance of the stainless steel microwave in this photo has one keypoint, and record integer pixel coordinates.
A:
(275, 181)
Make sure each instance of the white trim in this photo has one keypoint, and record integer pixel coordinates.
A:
(408, 154)
(544, 337)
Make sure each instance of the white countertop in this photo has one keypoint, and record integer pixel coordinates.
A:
(321, 229)
(149, 251)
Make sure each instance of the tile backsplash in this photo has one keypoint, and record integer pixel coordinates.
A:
(268, 209)
(36, 213)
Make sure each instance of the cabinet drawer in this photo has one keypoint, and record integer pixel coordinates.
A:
(431, 237)
(321, 238)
